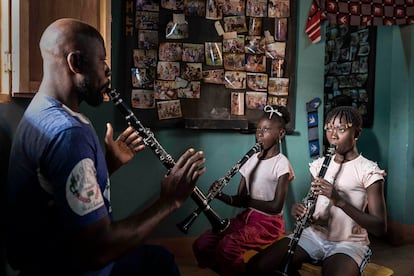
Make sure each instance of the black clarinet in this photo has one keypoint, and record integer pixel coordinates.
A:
(221, 183)
(309, 200)
(165, 158)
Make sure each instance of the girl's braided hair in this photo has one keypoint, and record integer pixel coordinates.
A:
(352, 117)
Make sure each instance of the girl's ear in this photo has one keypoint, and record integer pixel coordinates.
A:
(282, 133)
(74, 60)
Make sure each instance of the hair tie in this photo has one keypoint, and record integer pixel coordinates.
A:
(271, 110)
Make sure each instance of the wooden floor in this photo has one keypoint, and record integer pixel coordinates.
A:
(399, 258)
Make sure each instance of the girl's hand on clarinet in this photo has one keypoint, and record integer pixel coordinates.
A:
(298, 210)
(179, 183)
(123, 149)
(320, 186)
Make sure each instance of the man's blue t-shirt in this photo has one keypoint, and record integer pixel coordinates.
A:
(58, 183)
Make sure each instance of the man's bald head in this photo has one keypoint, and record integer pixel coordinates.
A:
(67, 35)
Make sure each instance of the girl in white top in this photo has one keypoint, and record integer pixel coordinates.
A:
(338, 232)
(262, 191)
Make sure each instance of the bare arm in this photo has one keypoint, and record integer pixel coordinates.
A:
(104, 241)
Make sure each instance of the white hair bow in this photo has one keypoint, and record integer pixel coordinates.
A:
(271, 110)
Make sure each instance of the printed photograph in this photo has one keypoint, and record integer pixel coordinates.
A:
(192, 71)
(147, 20)
(235, 62)
(142, 99)
(257, 82)
(255, 63)
(147, 39)
(235, 24)
(176, 30)
(235, 79)
(276, 50)
(255, 26)
(143, 77)
(145, 58)
(256, 100)
(278, 86)
(169, 109)
(214, 9)
(214, 76)
(234, 45)
(254, 45)
(256, 8)
(279, 8)
(170, 51)
(237, 103)
(213, 53)
(193, 52)
(195, 7)
(274, 100)
(234, 7)
(167, 70)
(173, 4)
(165, 90)
(191, 91)
(280, 29)
(147, 5)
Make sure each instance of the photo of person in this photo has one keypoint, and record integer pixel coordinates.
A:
(143, 77)
(279, 8)
(257, 82)
(276, 50)
(235, 24)
(167, 70)
(255, 63)
(234, 62)
(145, 5)
(254, 45)
(255, 100)
(195, 7)
(234, 7)
(192, 71)
(255, 26)
(280, 29)
(213, 53)
(170, 51)
(235, 79)
(176, 30)
(142, 99)
(191, 91)
(237, 103)
(234, 45)
(273, 100)
(147, 39)
(165, 90)
(256, 8)
(193, 52)
(172, 4)
(277, 68)
(147, 20)
(278, 86)
(145, 58)
(214, 76)
(214, 9)
(169, 109)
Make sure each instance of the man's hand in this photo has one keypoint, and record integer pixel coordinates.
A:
(182, 178)
(123, 149)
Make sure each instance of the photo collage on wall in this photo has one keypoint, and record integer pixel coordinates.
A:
(247, 59)
(349, 67)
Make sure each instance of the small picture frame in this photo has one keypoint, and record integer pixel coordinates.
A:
(142, 99)
(169, 109)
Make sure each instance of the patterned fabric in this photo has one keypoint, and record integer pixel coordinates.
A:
(358, 13)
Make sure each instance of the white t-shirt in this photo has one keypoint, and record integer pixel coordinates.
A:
(352, 180)
(262, 175)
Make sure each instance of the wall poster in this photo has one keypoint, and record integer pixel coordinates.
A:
(349, 68)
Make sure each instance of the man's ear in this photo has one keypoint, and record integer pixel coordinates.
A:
(74, 60)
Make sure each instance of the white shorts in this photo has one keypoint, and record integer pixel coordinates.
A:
(320, 249)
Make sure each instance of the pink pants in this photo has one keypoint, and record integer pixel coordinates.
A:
(223, 252)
